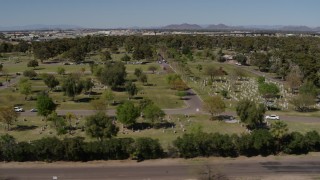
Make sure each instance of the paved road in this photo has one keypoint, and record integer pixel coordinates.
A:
(296, 168)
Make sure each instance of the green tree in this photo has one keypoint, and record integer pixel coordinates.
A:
(268, 89)
(61, 71)
(143, 78)
(261, 60)
(33, 63)
(303, 102)
(8, 116)
(152, 68)
(241, 58)
(138, 72)
(105, 56)
(146, 148)
(199, 67)
(214, 105)
(59, 123)
(131, 89)
(88, 85)
(308, 88)
(113, 74)
(100, 126)
(125, 58)
(30, 74)
(279, 130)
(250, 113)
(76, 54)
(153, 113)
(45, 105)
(72, 86)
(127, 113)
(25, 87)
(213, 72)
(50, 80)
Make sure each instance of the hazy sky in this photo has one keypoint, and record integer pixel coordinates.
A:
(145, 13)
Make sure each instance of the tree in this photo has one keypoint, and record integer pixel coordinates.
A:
(8, 116)
(146, 148)
(59, 123)
(125, 58)
(153, 113)
(25, 87)
(33, 63)
(105, 56)
(138, 72)
(152, 68)
(308, 88)
(294, 78)
(213, 72)
(241, 58)
(30, 74)
(303, 102)
(113, 74)
(127, 113)
(214, 105)
(131, 88)
(199, 67)
(61, 71)
(100, 126)
(77, 53)
(45, 105)
(1, 67)
(250, 113)
(261, 60)
(72, 86)
(50, 80)
(279, 130)
(143, 78)
(88, 85)
(268, 89)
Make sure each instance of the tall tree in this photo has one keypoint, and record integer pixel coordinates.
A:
(153, 113)
(214, 105)
(279, 130)
(33, 63)
(61, 71)
(72, 85)
(131, 88)
(25, 87)
(105, 56)
(250, 113)
(152, 68)
(45, 105)
(113, 74)
(50, 80)
(138, 72)
(100, 126)
(8, 116)
(127, 113)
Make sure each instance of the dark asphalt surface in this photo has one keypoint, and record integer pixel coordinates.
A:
(235, 169)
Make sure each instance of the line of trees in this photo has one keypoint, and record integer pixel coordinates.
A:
(259, 142)
(76, 149)
(197, 144)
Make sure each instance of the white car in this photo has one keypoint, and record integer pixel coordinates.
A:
(18, 109)
(273, 117)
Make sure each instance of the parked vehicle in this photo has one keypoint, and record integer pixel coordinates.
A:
(18, 109)
(33, 110)
(273, 117)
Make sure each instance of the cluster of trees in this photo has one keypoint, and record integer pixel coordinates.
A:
(127, 113)
(9, 47)
(259, 142)
(271, 54)
(76, 149)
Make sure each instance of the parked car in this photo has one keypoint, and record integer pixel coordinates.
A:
(273, 117)
(33, 110)
(18, 109)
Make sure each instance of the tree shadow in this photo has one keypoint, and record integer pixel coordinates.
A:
(39, 68)
(23, 128)
(137, 97)
(86, 99)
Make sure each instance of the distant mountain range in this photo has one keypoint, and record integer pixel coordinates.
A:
(184, 26)
(39, 27)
